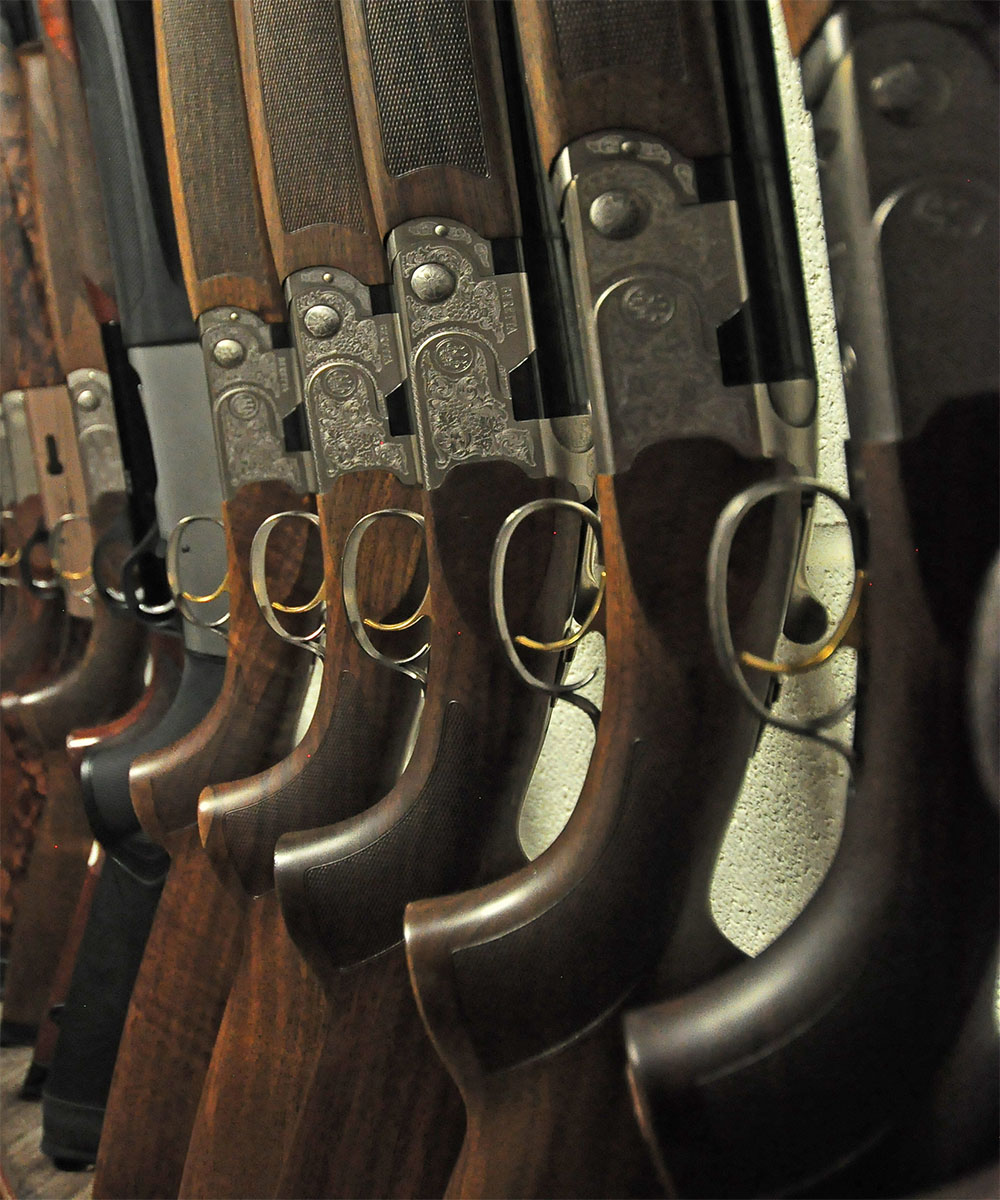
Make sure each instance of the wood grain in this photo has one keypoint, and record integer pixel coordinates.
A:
(309, 162)
(48, 1032)
(178, 1000)
(220, 225)
(592, 65)
(380, 1117)
(77, 334)
(29, 358)
(166, 654)
(802, 19)
(104, 684)
(267, 1039)
(533, 964)
(420, 51)
(195, 944)
(450, 820)
(48, 898)
(247, 729)
(93, 254)
(347, 760)
(805, 1061)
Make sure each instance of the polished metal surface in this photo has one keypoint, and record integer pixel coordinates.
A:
(314, 641)
(656, 273)
(22, 462)
(350, 362)
(178, 412)
(97, 431)
(465, 330)
(251, 394)
(906, 131)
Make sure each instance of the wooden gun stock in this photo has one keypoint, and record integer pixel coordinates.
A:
(533, 962)
(165, 660)
(48, 1032)
(104, 684)
(811, 1068)
(822, 1036)
(194, 947)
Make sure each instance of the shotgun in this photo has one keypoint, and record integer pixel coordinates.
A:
(817, 1068)
(126, 896)
(109, 674)
(700, 377)
(33, 632)
(436, 158)
(350, 754)
(84, 454)
(194, 944)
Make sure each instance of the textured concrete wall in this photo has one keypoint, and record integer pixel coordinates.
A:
(787, 823)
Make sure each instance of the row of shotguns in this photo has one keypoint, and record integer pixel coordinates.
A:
(411, 334)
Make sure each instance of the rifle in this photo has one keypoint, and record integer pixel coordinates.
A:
(825, 1065)
(700, 376)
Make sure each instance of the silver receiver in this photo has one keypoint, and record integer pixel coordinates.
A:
(465, 330)
(253, 388)
(97, 434)
(24, 476)
(179, 416)
(906, 132)
(656, 272)
(350, 362)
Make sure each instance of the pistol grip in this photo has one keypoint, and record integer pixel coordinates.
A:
(104, 684)
(537, 960)
(804, 1060)
(350, 754)
(452, 814)
(251, 723)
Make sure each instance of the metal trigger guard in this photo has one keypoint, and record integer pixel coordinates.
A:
(258, 578)
(568, 689)
(726, 527)
(181, 598)
(349, 585)
(71, 577)
(47, 588)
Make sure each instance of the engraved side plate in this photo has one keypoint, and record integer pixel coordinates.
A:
(25, 478)
(350, 362)
(253, 388)
(656, 273)
(97, 433)
(906, 130)
(464, 330)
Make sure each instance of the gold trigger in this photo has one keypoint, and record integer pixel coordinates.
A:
(301, 608)
(566, 642)
(74, 576)
(12, 559)
(824, 652)
(223, 586)
(423, 610)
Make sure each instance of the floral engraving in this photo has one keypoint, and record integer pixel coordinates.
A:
(354, 433)
(465, 410)
(473, 302)
(253, 450)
